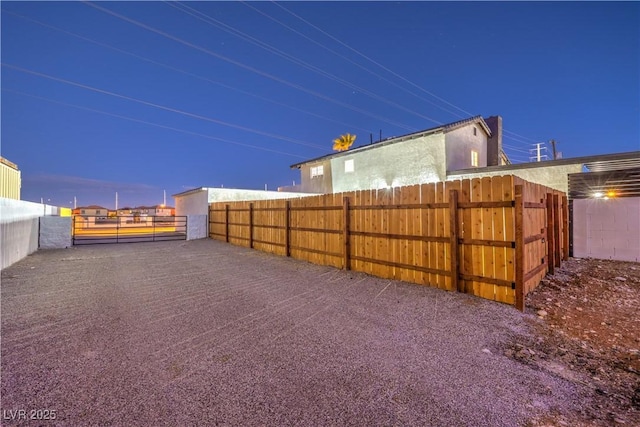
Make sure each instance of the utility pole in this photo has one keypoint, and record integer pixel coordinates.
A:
(116, 200)
(553, 148)
(75, 202)
(538, 156)
(164, 199)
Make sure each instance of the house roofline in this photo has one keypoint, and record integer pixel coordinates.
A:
(192, 191)
(442, 128)
(586, 160)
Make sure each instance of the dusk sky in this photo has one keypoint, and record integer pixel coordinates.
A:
(150, 96)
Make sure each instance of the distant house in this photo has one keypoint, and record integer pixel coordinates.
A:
(92, 210)
(421, 157)
(146, 211)
(10, 179)
(158, 210)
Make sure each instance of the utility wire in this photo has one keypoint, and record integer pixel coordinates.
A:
(389, 70)
(248, 67)
(368, 70)
(188, 73)
(269, 48)
(372, 60)
(162, 107)
(132, 119)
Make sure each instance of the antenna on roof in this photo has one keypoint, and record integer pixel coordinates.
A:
(380, 134)
(371, 138)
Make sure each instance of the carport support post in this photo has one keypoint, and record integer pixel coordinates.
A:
(251, 225)
(226, 223)
(287, 237)
(550, 235)
(455, 262)
(345, 231)
(565, 228)
(519, 223)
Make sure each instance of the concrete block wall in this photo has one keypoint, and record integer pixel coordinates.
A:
(607, 229)
(197, 227)
(55, 232)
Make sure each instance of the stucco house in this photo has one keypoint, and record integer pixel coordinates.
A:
(421, 157)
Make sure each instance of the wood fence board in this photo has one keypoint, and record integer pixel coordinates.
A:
(499, 234)
(488, 252)
(406, 221)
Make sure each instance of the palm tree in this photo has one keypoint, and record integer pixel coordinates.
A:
(343, 142)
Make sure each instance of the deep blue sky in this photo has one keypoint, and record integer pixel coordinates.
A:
(568, 71)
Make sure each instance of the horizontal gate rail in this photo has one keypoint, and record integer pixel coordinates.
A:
(93, 230)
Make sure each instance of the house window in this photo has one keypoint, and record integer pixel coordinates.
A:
(97, 211)
(475, 131)
(317, 171)
(83, 211)
(474, 158)
(348, 166)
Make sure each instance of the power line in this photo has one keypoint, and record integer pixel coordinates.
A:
(188, 73)
(248, 67)
(269, 48)
(132, 119)
(387, 69)
(413, 93)
(162, 107)
(372, 61)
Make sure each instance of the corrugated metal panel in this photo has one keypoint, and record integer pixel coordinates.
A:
(608, 183)
(10, 181)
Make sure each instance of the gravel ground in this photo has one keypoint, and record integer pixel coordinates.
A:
(205, 333)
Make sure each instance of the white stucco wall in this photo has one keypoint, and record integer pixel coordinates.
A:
(19, 227)
(192, 204)
(237, 194)
(460, 143)
(197, 203)
(55, 232)
(197, 227)
(556, 177)
(607, 229)
(415, 161)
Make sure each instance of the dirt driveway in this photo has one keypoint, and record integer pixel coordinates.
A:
(205, 333)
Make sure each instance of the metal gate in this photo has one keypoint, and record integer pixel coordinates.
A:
(90, 230)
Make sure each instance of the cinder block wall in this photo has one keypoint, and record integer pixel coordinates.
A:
(607, 229)
(55, 232)
(197, 227)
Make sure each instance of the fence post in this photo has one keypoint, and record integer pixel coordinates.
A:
(345, 236)
(556, 229)
(251, 225)
(453, 240)
(226, 223)
(287, 239)
(519, 220)
(550, 235)
(565, 224)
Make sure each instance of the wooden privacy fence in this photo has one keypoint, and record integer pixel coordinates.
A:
(492, 237)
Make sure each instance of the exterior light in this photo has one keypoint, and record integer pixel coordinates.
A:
(598, 195)
(611, 193)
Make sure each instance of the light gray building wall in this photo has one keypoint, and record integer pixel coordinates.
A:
(321, 184)
(193, 202)
(196, 201)
(461, 142)
(556, 177)
(413, 161)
